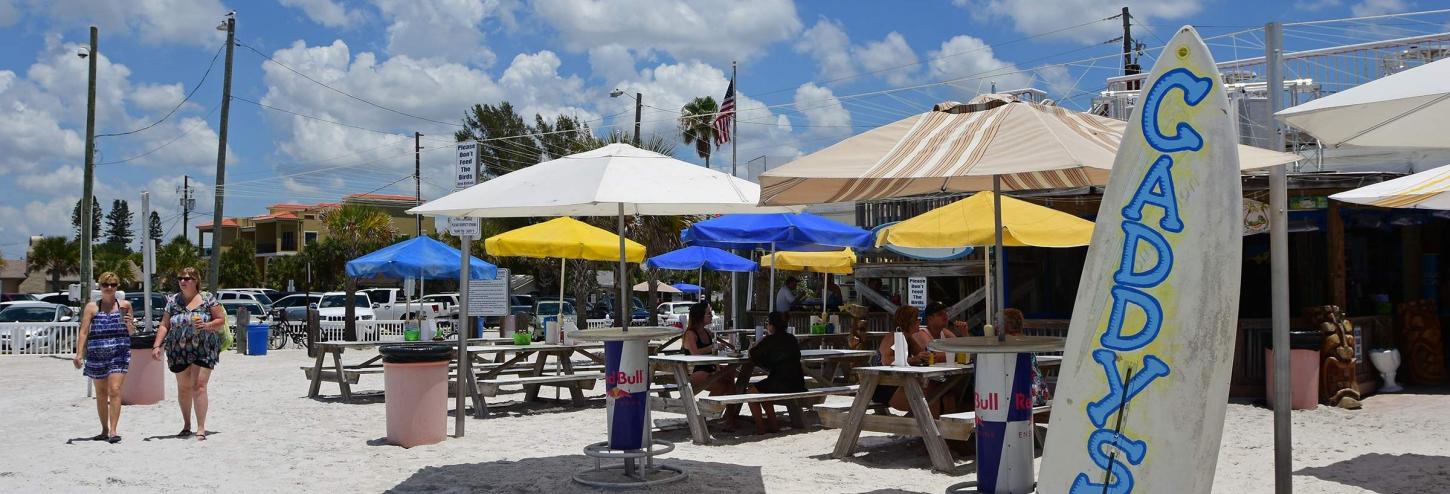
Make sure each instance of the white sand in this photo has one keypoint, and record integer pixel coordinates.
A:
(269, 438)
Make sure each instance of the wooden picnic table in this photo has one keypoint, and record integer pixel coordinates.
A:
(681, 366)
(337, 348)
(913, 380)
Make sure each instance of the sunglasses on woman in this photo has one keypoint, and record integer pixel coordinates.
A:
(185, 278)
(109, 285)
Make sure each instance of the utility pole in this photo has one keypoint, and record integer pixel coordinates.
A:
(221, 156)
(1278, 262)
(87, 200)
(1129, 68)
(186, 204)
(638, 105)
(418, 179)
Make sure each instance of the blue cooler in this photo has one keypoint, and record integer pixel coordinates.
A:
(257, 339)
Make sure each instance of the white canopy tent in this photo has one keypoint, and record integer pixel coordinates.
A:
(1410, 109)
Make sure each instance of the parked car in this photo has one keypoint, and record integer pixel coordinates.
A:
(258, 313)
(393, 304)
(61, 298)
(138, 308)
(672, 313)
(270, 293)
(549, 308)
(16, 297)
(332, 307)
(41, 337)
(293, 307)
(258, 297)
(604, 309)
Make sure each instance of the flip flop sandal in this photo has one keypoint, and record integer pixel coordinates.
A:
(113, 439)
(184, 433)
(99, 437)
(201, 436)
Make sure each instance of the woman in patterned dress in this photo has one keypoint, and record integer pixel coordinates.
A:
(104, 351)
(191, 335)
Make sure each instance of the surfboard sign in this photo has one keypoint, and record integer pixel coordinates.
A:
(1143, 387)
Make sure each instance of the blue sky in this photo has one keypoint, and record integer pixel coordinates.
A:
(803, 70)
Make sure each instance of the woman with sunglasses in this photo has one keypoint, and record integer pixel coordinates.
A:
(104, 351)
(191, 334)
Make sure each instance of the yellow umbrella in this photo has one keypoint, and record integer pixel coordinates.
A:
(968, 222)
(564, 237)
(834, 262)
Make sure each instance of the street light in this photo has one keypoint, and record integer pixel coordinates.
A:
(638, 104)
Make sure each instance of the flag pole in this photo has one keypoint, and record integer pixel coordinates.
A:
(735, 313)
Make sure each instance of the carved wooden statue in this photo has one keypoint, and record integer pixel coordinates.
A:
(1420, 342)
(1336, 371)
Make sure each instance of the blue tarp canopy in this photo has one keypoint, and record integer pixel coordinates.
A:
(698, 257)
(419, 257)
(687, 287)
(787, 231)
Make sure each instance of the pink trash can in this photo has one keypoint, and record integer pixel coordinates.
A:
(1303, 371)
(415, 386)
(145, 382)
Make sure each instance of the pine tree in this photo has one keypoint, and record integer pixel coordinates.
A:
(75, 219)
(118, 224)
(154, 232)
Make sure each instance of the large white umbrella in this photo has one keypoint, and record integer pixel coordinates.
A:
(615, 180)
(1429, 189)
(1408, 109)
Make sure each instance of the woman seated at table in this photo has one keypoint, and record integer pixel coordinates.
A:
(917, 339)
(780, 355)
(701, 341)
(1012, 321)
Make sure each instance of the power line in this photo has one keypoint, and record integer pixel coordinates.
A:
(183, 100)
(344, 93)
(184, 133)
(310, 117)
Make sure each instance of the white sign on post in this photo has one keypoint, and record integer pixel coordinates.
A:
(488, 297)
(916, 292)
(467, 176)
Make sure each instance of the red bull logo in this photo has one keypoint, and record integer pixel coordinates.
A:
(624, 379)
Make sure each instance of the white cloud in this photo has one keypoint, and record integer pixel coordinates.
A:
(828, 44)
(611, 62)
(1031, 17)
(685, 29)
(1379, 7)
(326, 12)
(159, 21)
(442, 29)
(889, 53)
(533, 85)
(968, 57)
(1316, 5)
(158, 97)
(9, 13)
(823, 111)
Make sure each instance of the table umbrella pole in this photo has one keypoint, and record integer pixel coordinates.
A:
(997, 231)
(619, 307)
(562, 263)
(771, 293)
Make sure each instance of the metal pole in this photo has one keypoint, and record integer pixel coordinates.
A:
(148, 265)
(638, 106)
(734, 129)
(186, 206)
(1279, 265)
(625, 305)
(999, 288)
(771, 293)
(418, 184)
(465, 241)
(87, 199)
(213, 273)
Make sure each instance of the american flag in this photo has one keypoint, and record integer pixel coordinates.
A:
(727, 112)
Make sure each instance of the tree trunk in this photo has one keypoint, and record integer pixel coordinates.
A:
(652, 299)
(55, 280)
(349, 314)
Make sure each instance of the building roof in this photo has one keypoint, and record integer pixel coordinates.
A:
(14, 269)
(380, 198)
(285, 215)
(226, 223)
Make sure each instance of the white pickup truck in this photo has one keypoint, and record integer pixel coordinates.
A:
(392, 304)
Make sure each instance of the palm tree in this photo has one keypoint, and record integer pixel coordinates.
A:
(120, 264)
(697, 125)
(54, 255)
(357, 229)
(171, 258)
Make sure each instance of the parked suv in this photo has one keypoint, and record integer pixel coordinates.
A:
(41, 337)
(392, 304)
(333, 307)
(251, 296)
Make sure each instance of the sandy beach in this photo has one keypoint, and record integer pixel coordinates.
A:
(268, 437)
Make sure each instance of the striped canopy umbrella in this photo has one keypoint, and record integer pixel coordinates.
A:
(1429, 189)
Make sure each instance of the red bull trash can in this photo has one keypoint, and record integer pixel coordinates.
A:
(626, 390)
(1004, 426)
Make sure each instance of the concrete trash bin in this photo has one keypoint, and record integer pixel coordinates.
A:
(415, 386)
(1303, 370)
(145, 382)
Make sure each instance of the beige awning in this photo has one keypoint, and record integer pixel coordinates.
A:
(959, 148)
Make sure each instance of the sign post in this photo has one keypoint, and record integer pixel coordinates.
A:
(916, 292)
(466, 229)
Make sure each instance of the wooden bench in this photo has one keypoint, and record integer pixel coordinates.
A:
(351, 373)
(490, 387)
(959, 426)
(794, 402)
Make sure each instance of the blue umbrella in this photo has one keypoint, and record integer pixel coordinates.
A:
(687, 287)
(697, 257)
(777, 231)
(419, 257)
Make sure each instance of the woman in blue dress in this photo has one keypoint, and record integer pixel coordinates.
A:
(103, 350)
(191, 336)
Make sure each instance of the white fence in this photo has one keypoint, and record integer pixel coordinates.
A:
(39, 338)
